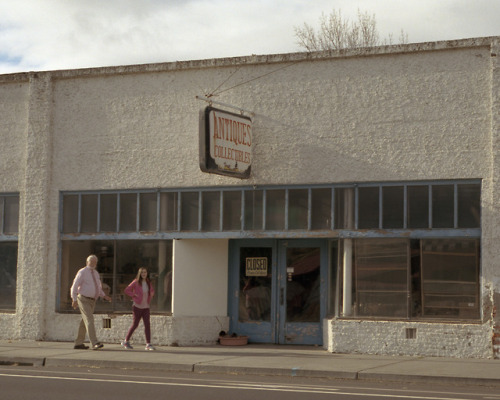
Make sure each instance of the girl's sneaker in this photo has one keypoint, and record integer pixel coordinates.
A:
(150, 347)
(126, 345)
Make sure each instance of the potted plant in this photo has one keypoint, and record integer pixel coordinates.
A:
(226, 339)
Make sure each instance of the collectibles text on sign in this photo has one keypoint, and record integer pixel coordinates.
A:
(225, 143)
(256, 266)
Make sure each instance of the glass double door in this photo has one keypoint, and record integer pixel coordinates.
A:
(278, 290)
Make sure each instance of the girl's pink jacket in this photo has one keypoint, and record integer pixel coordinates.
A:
(134, 290)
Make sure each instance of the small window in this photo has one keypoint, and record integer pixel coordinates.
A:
(418, 207)
(253, 209)
(275, 210)
(393, 207)
(442, 206)
(108, 212)
(70, 213)
(89, 213)
(321, 209)
(344, 208)
(148, 211)
(189, 211)
(128, 212)
(168, 211)
(298, 205)
(232, 210)
(368, 208)
(469, 206)
(211, 211)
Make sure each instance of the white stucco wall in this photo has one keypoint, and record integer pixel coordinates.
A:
(401, 113)
(200, 278)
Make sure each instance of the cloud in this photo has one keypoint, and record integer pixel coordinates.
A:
(59, 34)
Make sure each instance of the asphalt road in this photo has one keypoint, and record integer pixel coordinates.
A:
(26, 383)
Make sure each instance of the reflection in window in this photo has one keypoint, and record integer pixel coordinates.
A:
(8, 275)
(118, 263)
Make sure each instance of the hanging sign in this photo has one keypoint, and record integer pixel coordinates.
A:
(256, 266)
(225, 143)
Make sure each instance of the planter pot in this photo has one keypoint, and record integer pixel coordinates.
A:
(233, 341)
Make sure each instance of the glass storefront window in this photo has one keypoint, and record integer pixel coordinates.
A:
(381, 278)
(8, 275)
(118, 263)
(413, 279)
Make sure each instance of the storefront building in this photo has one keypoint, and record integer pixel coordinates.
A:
(362, 218)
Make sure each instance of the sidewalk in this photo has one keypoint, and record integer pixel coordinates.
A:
(256, 359)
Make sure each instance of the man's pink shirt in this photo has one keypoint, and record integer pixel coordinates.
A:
(84, 284)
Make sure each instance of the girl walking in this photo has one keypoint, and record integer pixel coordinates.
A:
(141, 290)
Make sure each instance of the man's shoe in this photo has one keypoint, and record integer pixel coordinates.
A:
(98, 346)
(150, 347)
(80, 347)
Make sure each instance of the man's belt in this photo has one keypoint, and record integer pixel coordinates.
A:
(89, 298)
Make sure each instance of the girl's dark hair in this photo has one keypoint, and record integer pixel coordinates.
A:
(139, 277)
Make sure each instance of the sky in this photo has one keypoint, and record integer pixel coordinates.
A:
(40, 35)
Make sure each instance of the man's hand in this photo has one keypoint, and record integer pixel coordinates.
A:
(75, 304)
(107, 298)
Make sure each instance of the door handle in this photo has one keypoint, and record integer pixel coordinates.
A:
(282, 296)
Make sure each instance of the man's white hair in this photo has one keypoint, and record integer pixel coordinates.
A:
(92, 256)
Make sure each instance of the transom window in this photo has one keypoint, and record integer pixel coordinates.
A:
(437, 205)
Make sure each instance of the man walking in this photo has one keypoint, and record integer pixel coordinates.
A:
(85, 291)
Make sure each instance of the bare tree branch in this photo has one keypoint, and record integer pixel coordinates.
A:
(336, 32)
